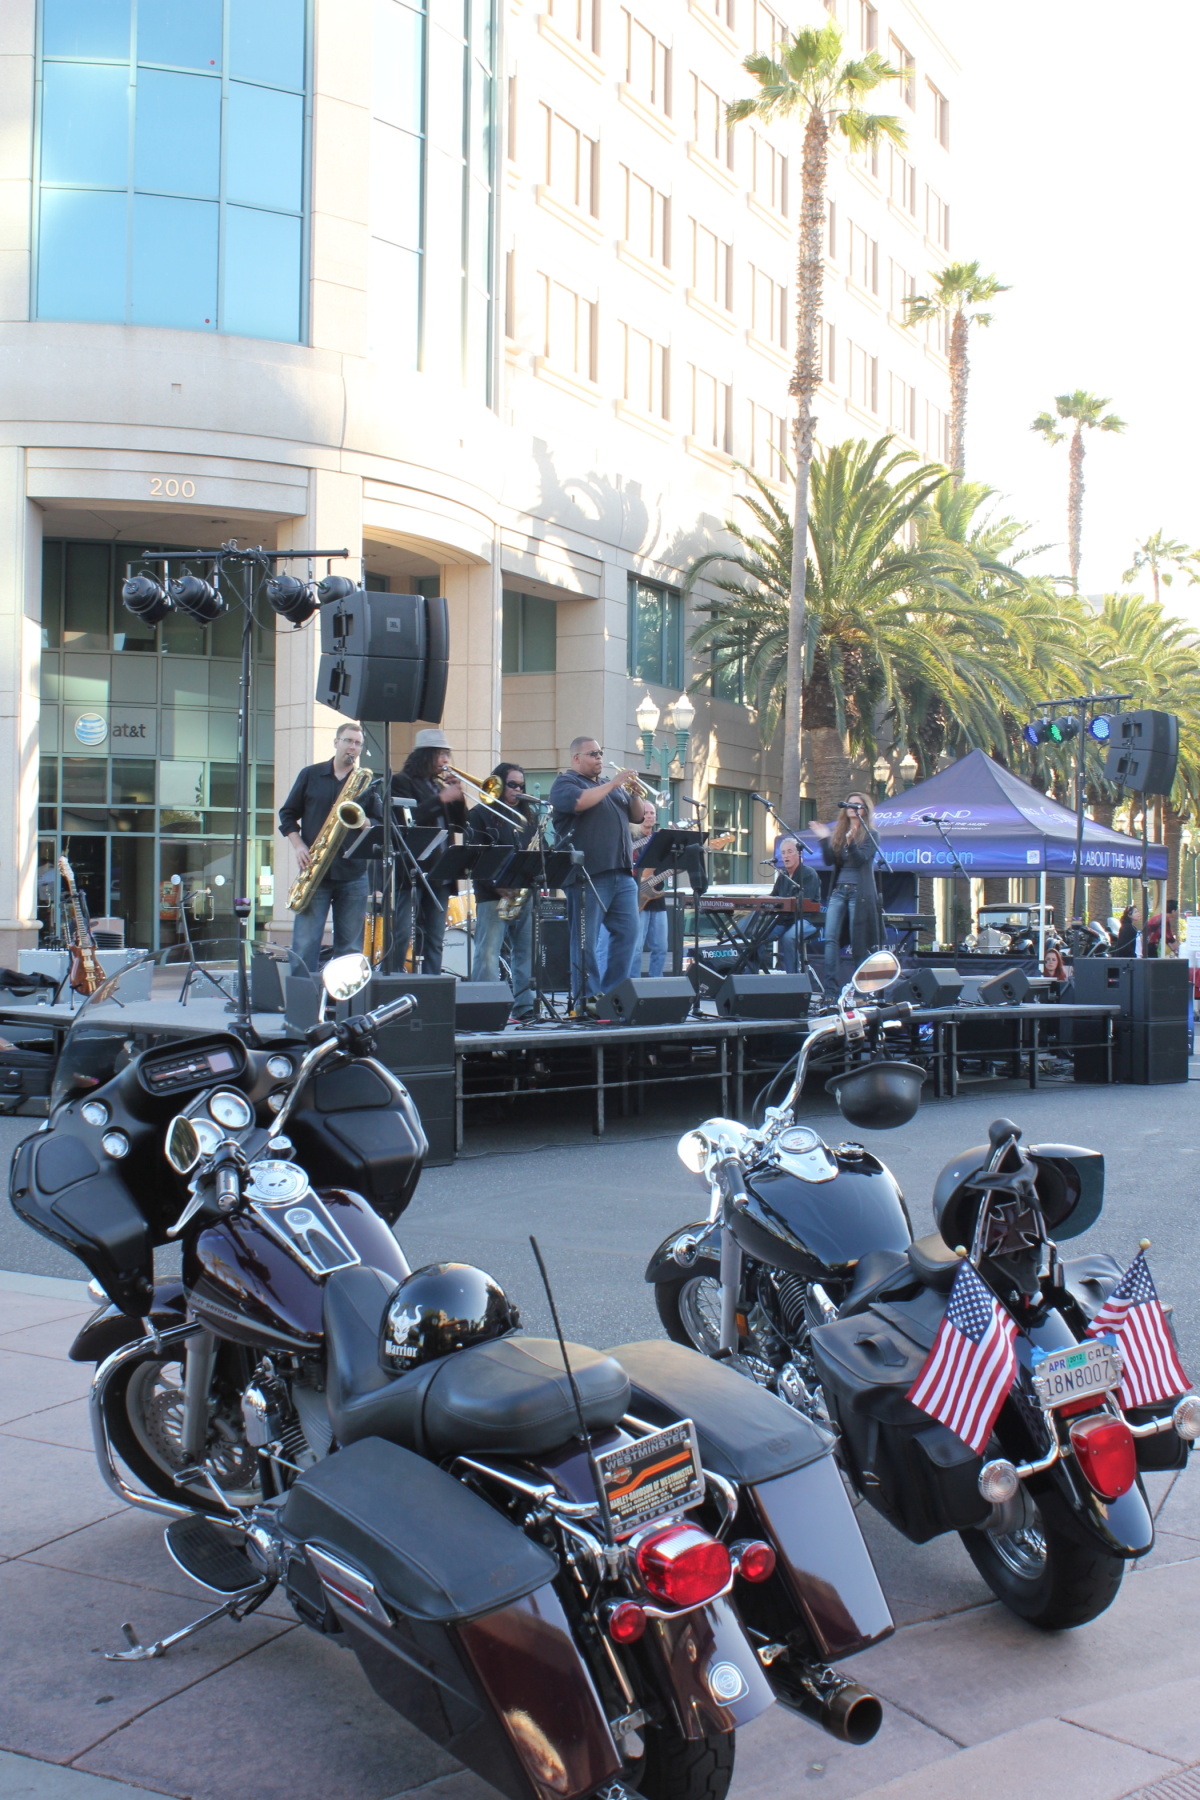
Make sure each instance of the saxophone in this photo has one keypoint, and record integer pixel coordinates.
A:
(345, 816)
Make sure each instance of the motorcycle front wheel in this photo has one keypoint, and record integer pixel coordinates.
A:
(1050, 1572)
(143, 1412)
(690, 1309)
(679, 1768)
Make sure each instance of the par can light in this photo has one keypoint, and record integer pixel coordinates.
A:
(197, 598)
(1100, 728)
(292, 598)
(334, 587)
(146, 598)
(1036, 732)
(1063, 730)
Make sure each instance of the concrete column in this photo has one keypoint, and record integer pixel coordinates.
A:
(20, 654)
(471, 719)
(592, 690)
(17, 25)
(304, 730)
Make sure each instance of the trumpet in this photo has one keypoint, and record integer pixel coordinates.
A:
(634, 786)
(482, 793)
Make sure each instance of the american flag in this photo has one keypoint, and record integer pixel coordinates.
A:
(972, 1364)
(1133, 1315)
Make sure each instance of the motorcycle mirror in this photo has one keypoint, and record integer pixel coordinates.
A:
(345, 975)
(183, 1145)
(693, 1152)
(876, 973)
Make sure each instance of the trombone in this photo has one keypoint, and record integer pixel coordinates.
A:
(483, 793)
(634, 786)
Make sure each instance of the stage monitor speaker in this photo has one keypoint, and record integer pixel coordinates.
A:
(425, 1040)
(1008, 988)
(926, 987)
(302, 1001)
(482, 1005)
(554, 955)
(764, 996)
(647, 1000)
(376, 624)
(1143, 751)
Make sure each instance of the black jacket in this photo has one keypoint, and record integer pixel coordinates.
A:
(855, 869)
(310, 803)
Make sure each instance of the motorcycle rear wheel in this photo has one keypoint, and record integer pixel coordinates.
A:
(690, 1309)
(1051, 1573)
(679, 1768)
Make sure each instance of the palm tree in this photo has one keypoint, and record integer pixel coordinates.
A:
(1160, 555)
(957, 293)
(1085, 411)
(891, 625)
(808, 82)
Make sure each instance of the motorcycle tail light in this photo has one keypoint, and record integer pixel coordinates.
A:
(755, 1560)
(626, 1622)
(1105, 1449)
(683, 1565)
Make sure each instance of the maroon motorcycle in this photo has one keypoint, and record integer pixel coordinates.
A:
(579, 1572)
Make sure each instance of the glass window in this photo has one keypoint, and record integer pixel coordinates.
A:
(655, 634)
(133, 781)
(85, 124)
(184, 33)
(264, 143)
(729, 811)
(86, 27)
(396, 186)
(122, 238)
(266, 41)
(529, 635)
(85, 597)
(174, 273)
(397, 65)
(250, 305)
(177, 135)
(84, 779)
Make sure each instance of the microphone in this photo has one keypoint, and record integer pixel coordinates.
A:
(761, 801)
(931, 818)
(849, 806)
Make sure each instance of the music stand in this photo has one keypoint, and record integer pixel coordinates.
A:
(456, 863)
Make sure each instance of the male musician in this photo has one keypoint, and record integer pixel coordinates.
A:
(796, 882)
(654, 912)
(488, 825)
(344, 888)
(594, 816)
(426, 778)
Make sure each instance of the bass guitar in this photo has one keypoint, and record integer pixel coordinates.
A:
(85, 973)
(652, 882)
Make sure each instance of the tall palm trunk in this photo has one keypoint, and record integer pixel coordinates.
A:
(1075, 504)
(959, 369)
(1099, 887)
(806, 379)
(1173, 824)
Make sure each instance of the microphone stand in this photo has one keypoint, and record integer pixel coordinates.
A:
(936, 819)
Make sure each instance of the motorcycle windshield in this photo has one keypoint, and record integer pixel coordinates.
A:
(155, 998)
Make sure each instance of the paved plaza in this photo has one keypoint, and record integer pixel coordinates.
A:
(974, 1700)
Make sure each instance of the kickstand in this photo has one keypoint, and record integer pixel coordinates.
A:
(237, 1607)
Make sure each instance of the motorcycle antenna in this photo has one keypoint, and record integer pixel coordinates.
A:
(584, 1434)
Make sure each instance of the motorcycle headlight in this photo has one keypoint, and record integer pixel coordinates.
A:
(693, 1152)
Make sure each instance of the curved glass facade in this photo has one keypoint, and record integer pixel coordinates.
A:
(172, 164)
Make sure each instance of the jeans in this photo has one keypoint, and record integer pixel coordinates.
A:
(414, 905)
(843, 903)
(654, 939)
(611, 898)
(349, 902)
(788, 939)
(493, 935)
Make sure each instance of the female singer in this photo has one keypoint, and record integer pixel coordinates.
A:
(849, 850)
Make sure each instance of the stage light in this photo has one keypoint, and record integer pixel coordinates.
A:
(1100, 728)
(1036, 732)
(334, 587)
(197, 598)
(292, 598)
(1063, 730)
(146, 598)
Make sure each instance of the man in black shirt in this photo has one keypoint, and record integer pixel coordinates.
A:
(420, 911)
(594, 816)
(344, 888)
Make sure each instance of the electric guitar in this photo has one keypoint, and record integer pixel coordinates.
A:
(85, 974)
(652, 882)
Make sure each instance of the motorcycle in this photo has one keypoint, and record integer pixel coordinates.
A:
(806, 1278)
(579, 1572)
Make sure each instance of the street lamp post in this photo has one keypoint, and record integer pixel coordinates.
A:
(883, 777)
(679, 721)
(908, 769)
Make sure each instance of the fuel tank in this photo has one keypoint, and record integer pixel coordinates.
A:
(819, 1227)
(246, 1287)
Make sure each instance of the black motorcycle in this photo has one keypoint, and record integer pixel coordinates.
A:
(579, 1572)
(806, 1278)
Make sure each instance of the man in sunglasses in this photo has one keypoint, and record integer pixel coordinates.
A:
(594, 816)
(494, 934)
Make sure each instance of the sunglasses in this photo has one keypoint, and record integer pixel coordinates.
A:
(518, 787)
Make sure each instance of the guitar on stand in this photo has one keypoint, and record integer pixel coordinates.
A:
(84, 973)
(652, 883)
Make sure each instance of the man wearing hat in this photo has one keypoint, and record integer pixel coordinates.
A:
(439, 801)
(344, 889)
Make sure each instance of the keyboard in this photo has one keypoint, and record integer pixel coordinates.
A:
(769, 903)
(911, 921)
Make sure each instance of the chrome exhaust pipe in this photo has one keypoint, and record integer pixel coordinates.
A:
(834, 1702)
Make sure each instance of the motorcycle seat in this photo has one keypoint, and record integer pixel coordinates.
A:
(933, 1262)
(877, 1273)
(510, 1396)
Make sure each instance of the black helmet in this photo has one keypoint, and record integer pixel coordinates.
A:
(444, 1306)
(880, 1095)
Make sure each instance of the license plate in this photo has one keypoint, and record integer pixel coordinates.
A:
(656, 1475)
(1076, 1373)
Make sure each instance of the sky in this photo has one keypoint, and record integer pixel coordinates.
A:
(1074, 148)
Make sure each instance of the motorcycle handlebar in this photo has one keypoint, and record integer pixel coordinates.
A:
(387, 1015)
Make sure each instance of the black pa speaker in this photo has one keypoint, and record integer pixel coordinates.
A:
(482, 1005)
(1008, 988)
(433, 1096)
(266, 981)
(647, 1000)
(1150, 990)
(376, 624)
(1143, 751)
(437, 658)
(425, 1039)
(764, 996)
(302, 1001)
(927, 987)
(376, 687)
(385, 656)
